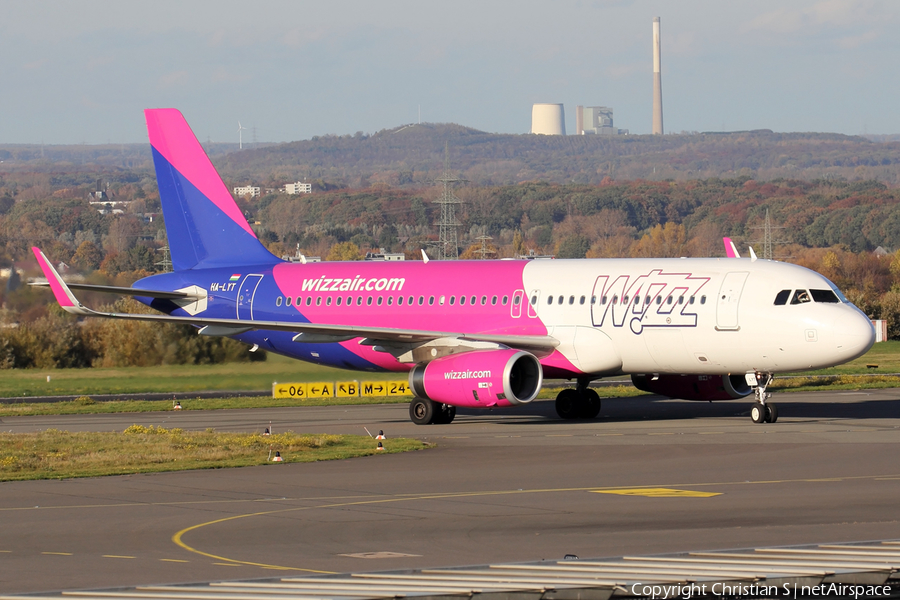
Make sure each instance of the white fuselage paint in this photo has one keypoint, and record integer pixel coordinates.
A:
(737, 329)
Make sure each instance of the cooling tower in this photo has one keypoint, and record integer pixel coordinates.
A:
(657, 81)
(548, 119)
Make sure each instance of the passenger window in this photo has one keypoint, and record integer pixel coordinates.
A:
(702, 299)
(647, 300)
(452, 300)
(516, 300)
(410, 301)
(369, 301)
(309, 300)
(826, 296)
(560, 301)
(658, 300)
(801, 297)
(571, 300)
(781, 297)
(430, 300)
(390, 300)
(680, 299)
(533, 300)
(691, 300)
(399, 300)
(278, 301)
(615, 299)
(462, 300)
(669, 300)
(593, 299)
(380, 299)
(549, 300)
(474, 301)
(505, 300)
(637, 300)
(359, 300)
(349, 300)
(298, 300)
(339, 298)
(494, 301)
(581, 300)
(319, 301)
(287, 301)
(328, 301)
(421, 300)
(624, 299)
(483, 300)
(441, 300)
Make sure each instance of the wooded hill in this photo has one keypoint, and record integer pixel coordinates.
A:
(414, 155)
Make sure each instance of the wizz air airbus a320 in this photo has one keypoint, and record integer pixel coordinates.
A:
(485, 333)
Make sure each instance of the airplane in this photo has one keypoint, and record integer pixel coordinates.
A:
(485, 333)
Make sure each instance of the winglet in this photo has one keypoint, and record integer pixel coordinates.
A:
(730, 248)
(752, 254)
(424, 257)
(62, 292)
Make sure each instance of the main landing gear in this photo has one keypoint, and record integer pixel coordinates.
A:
(762, 411)
(580, 403)
(423, 411)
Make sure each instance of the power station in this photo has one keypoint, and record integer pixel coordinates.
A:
(548, 119)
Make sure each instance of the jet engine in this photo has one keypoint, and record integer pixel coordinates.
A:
(480, 378)
(694, 387)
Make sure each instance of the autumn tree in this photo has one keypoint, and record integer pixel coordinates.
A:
(344, 251)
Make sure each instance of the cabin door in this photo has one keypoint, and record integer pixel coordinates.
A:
(245, 297)
(728, 300)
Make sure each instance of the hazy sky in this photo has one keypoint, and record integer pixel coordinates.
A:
(82, 71)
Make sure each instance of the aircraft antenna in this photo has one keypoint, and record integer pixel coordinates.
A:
(448, 243)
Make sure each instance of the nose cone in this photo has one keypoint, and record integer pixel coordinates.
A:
(853, 334)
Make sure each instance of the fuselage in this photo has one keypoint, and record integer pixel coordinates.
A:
(610, 316)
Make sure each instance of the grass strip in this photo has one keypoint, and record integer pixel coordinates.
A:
(54, 454)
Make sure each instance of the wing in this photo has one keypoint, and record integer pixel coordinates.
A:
(306, 332)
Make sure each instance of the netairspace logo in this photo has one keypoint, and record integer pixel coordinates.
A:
(466, 374)
(324, 284)
(756, 590)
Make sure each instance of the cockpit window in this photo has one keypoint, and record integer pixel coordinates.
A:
(837, 292)
(801, 297)
(824, 296)
(782, 297)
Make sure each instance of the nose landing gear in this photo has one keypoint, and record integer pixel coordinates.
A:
(762, 411)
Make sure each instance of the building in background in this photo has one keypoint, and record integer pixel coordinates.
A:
(249, 190)
(597, 120)
(298, 188)
(548, 119)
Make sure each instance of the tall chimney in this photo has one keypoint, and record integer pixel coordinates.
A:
(579, 120)
(657, 81)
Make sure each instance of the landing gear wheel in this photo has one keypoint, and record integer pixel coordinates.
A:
(444, 414)
(771, 413)
(422, 411)
(568, 404)
(590, 404)
(759, 413)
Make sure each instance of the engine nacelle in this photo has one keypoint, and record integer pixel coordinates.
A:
(480, 378)
(694, 387)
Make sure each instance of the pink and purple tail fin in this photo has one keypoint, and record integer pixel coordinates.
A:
(204, 225)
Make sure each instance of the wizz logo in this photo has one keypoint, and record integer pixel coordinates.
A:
(656, 299)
